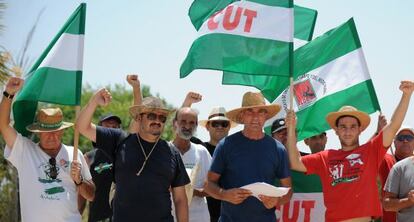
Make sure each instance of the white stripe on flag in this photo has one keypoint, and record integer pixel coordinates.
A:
(66, 54)
(270, 22)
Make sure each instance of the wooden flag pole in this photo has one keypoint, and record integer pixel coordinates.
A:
(76, 135)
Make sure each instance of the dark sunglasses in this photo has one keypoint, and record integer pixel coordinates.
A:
(53, 171)
(153, 117)
(217, 124)
(401, 138)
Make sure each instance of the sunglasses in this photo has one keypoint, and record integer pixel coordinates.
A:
(53, 171)
(216, 124)
(402, 138)
(153, 117)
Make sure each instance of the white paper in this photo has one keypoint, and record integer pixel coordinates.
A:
(266, 189)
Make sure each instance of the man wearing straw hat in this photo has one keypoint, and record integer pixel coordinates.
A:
(49, 178)
(145, 166)
(348, 175)
(247, 157)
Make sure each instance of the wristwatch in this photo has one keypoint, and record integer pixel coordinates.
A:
(81, 181)
(7, 95)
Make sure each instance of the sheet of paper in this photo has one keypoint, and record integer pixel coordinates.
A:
(261, 188)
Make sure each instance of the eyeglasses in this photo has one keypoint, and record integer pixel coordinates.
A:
(216, 124)
(53, 171)
(402, 138)
(154, 116)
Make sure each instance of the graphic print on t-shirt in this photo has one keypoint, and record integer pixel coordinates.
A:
(52, 186)
(346, 170)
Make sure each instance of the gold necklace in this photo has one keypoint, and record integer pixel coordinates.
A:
(145, 155)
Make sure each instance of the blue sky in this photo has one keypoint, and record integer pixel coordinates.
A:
(151, 38)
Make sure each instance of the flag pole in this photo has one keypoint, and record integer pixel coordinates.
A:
(76, 135)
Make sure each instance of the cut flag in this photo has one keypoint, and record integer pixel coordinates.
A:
(253, 37)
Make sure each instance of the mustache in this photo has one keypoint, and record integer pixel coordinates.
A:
(155, 124)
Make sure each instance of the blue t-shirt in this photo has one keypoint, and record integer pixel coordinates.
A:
(241, 161)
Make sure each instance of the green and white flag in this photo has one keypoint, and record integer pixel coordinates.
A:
(250, 37)
(56, 77)
(307, 201)
(271, 87)
(330, 72)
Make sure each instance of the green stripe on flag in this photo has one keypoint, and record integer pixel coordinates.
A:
(361, 96)
(303, 183)
(45, 80)
(305, 20)
(240, 54)
(276, 3)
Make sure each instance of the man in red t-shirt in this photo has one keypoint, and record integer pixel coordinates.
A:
(348, 175)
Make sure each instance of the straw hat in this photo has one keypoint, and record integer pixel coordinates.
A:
(217, 114)
(253, 100)
(363, 117)
(48, 120)
(149, 104)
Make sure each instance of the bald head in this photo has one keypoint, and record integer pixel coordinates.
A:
(185, 122)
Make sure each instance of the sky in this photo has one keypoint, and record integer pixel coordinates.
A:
(152, 38)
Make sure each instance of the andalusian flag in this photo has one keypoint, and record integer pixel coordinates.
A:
(271, 87)
(56, 77)
(251, 37)
(330, 72)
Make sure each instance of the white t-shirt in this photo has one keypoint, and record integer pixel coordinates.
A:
(198, 154)
(42, 198)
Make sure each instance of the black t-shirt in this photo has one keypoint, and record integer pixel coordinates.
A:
(214, 205)
(102, 176)
(145, 197)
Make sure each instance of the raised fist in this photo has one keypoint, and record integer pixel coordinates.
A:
(133, 80)
(102, 97)
(13, 85)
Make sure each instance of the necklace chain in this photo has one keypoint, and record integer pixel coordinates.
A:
(145, 155)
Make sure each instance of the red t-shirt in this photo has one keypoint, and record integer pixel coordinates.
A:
(384, 170)
(349, 179)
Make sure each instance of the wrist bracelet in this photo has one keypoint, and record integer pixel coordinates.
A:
(7, 95)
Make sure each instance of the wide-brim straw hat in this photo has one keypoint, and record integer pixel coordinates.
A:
(363, 117)
(149, 104)
(48, 120)
(253, 100)
(217, 114)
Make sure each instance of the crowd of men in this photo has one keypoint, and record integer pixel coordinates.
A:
(190, 180)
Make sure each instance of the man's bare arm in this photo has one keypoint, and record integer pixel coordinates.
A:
(293, 152)
(392, 203)
(84, 122)
(13, 85)
(180, 203)
(397, 118)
